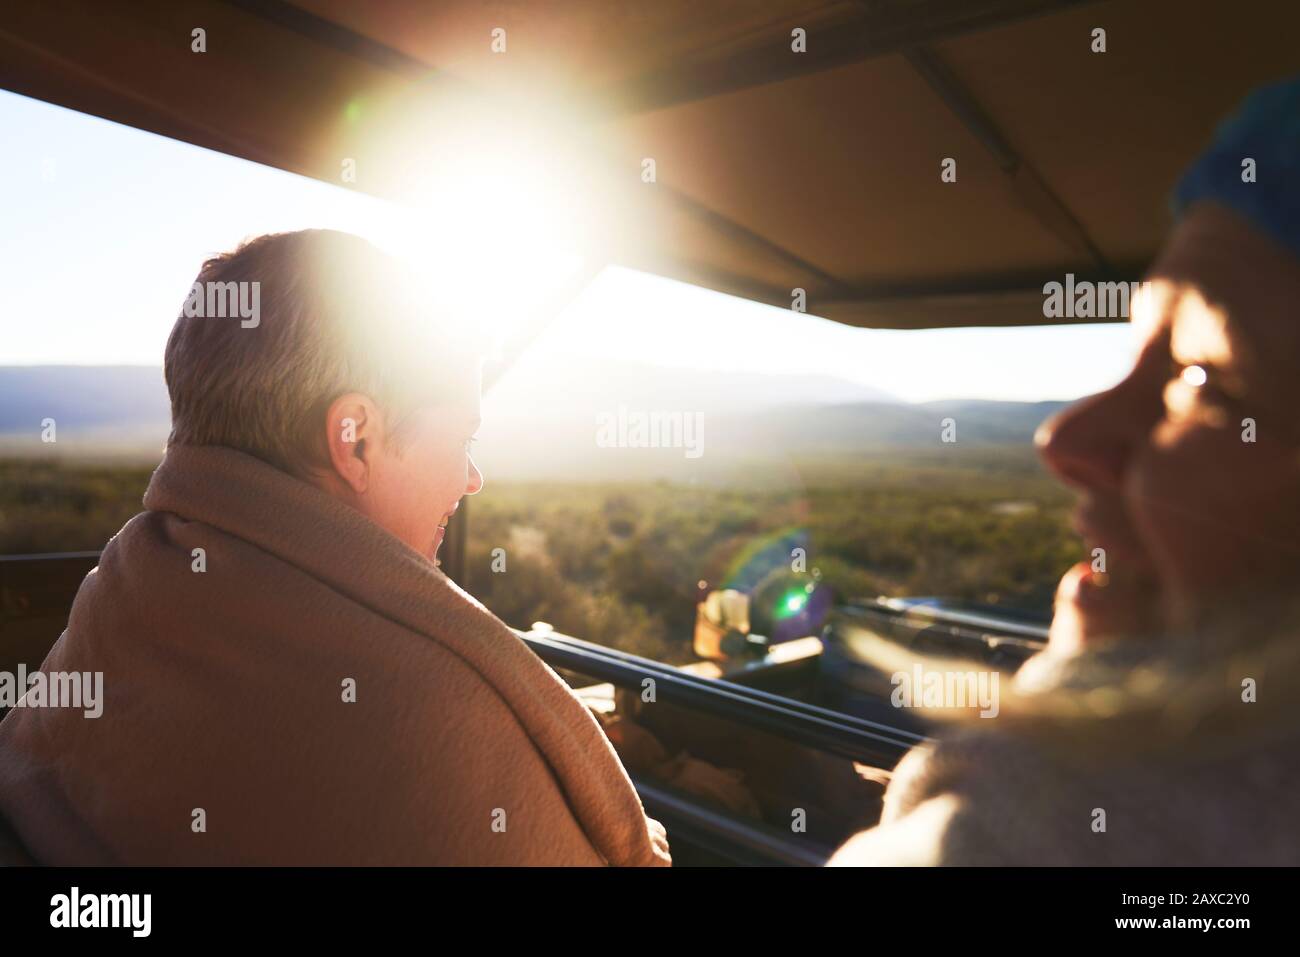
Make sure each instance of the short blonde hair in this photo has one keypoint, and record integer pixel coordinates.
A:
(336, 315)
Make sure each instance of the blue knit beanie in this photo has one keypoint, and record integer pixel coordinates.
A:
(1265, 129)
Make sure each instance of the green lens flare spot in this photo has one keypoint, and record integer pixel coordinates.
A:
(791, 604)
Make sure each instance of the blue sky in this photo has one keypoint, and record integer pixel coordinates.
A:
(104, 228)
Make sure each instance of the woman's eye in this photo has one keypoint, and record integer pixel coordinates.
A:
(1198, 377)
(1204, 385)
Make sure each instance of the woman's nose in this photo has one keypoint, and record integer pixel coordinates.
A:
(475, 479)
(1089, 444)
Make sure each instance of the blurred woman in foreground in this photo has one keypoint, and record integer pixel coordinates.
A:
(1159, 726)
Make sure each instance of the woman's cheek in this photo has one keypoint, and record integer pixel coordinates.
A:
(1217, 514)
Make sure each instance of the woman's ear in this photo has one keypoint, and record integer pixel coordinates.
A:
(352, 433)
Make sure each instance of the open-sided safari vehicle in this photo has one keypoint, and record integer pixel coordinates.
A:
(893, 164)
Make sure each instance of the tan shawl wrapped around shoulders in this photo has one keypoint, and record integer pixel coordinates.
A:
(227, 736)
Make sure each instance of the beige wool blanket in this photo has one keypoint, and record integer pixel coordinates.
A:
(319, 694)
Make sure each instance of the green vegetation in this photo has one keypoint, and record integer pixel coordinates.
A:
(48, 505)
(619, 563)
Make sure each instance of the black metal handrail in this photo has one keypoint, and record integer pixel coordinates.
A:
(717, 832)
(831, 731)
(51, 556)
(865, 724)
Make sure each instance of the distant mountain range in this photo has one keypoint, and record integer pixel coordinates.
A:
(83, 398)
(546, 423)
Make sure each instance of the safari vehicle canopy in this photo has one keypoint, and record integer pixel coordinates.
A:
(883, 163)
(797, 144)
